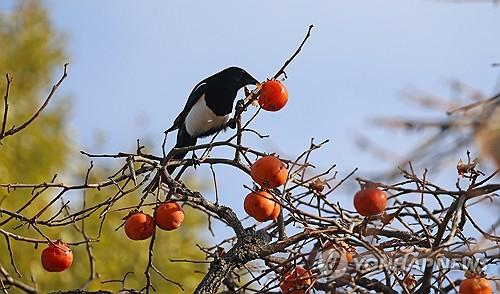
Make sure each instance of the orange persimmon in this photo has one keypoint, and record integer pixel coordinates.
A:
(57, 257)
(296, 281)
(139, 226)
(261, 206)
(475, 284)
(169, 216)
(269, 172)
(273, 95)
(370, 201)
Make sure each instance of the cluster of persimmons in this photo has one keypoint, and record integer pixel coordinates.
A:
(269, 173)
(168, 216)
(57, 257)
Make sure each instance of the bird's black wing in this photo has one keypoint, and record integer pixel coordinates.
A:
(195, 95)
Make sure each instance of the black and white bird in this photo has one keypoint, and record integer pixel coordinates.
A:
(207, 110)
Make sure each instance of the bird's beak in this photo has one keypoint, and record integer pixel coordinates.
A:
(253, 81)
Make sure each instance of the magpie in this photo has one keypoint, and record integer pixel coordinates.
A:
(207, 110)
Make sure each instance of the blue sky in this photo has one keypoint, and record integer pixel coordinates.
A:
(133, 65)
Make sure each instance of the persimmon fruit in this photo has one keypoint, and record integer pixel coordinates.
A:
(261, 206)
(169, 216)
(57, 257)
(296, 281)
(269, 172)
(273, 95)
(339, 252)
(370, 201)
(139, 226)
(475, 284)
(349, 256)
(276, 211)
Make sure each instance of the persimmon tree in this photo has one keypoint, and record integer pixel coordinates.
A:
(409, 235)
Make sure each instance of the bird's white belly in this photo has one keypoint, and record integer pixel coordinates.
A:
(201, 119)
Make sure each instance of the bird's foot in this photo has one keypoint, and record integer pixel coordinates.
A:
(195, 160)
(232, 123)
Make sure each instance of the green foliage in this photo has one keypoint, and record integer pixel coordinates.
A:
(32, 52)
(115, 254)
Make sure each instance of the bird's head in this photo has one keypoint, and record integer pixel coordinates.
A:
(239, 77)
